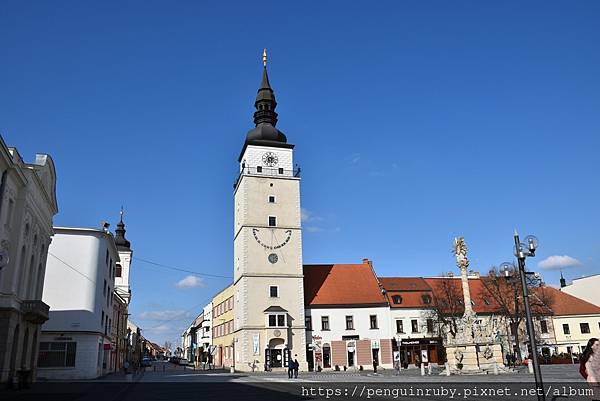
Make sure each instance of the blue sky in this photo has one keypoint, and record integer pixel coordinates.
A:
(414, 122)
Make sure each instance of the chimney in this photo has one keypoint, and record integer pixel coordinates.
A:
(563, 282)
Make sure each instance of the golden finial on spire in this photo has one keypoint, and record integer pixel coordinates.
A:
(265, 57)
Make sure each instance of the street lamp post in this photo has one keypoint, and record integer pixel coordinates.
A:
(521, 252)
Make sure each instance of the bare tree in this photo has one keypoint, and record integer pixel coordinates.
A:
(448, 305)
(507, 294)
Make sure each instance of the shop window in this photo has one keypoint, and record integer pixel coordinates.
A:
(57, 354)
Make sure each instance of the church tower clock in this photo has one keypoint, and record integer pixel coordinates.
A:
(268, 279)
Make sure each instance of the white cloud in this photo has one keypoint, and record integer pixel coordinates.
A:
(308, 216)
(164, 315)
(190, 282)
(556, 262)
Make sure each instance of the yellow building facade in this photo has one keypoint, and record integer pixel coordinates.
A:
(223, 327)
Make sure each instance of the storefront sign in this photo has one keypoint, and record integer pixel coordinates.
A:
(419, 341)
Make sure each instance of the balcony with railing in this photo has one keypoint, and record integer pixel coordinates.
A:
(262, 171)
(35, 311)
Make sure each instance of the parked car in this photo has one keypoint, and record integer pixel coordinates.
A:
(183, 361)
(146, 362)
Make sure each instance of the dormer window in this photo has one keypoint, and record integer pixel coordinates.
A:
(426, 299)
(397, 299)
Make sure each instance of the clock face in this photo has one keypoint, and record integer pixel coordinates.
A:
(270, 240)
(270, 159)
(273, 258)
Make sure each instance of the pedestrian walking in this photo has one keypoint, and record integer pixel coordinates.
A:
(589, 366)
(290, 369)
(296, 366)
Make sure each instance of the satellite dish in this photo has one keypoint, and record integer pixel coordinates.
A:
(4, 259)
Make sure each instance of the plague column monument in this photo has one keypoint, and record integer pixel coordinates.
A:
(474, 348)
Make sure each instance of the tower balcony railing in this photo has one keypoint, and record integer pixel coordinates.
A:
(267, 171)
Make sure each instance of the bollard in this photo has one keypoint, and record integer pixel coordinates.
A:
(530, 366)
(447, 369)
(422, 369)
(429, 369)
(496, 368)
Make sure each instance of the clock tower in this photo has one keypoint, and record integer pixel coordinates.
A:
(268, 278)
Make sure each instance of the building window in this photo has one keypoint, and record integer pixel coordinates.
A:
(324, 322)
(273, 291)
(544, 326)
(57, 354)
(430, 325)
(399, 326)
(426, 299)
(373, 321)
(280, 170)
(271, 199)
(566, 329)
(259, 169)
(414, 325)
(585, 328)
(349, 323)
(277, 320)
(397, 299)
(118, 271)
(272, 221)
(308, 322)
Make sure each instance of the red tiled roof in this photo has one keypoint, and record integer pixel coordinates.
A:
(483, 300)
(404, 284)
(347, 285)
(410, 289)
(564, 304)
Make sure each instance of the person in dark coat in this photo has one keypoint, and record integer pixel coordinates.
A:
(296, 366)
(290, 369)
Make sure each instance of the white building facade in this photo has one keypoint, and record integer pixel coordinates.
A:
(76, 341)
(27, 206)
(268, 282)
(585, 288)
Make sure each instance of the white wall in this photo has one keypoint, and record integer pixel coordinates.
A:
(585, 288)
(86, 366)
(75, 276)
(337, 323)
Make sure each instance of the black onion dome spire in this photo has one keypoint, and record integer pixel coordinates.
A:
(265, 103)
(120, 240)
(265, 117)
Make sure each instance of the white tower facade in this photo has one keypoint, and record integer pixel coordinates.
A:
(268, 278)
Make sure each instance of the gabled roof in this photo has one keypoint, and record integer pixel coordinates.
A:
(412, 292)
(480, 296)
(350, 285)
(564, 304)
(404, 284)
